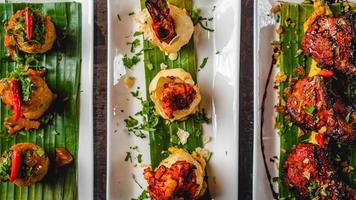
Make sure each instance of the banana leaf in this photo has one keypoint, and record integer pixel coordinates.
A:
(63, 63)
(292, 21)
(165, 134)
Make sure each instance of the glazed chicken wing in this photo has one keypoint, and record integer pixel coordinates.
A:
(309, 173)
(331, 42)
(312, 107)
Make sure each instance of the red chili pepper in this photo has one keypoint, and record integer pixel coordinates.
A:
(16, 97)
(326, 73)
(320, 139)
(29, 24)
(15, 165)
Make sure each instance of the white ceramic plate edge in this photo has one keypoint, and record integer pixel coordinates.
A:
(86, 128)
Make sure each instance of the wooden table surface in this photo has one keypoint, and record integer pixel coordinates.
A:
(246, 100)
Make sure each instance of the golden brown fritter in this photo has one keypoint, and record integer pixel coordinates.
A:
(39, 102)
(39, 164)
(44, 34)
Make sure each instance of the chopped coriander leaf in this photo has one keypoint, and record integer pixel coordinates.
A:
(150, 66)
(134, 148)
(26, 88)
(310, 109)
(40, 152)
(128, 157)
(201, 117)
(26, 84)
(275, 179)
(134, 45)
(214, 7)
(137, 33)
(195, 15)
(5, 167)
(131, 13)
(197, 19)
(205, 61)
(205, 27)
(218, 52)
(130, 62)
(134, 178)
(347, 118)
(139, 158)
(148, 115)
(143, 196)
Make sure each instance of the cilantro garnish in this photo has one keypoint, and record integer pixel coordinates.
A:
(205, 61)
(143, 196)
(130, 62)
(347, 118)
(139, 158)
(201, 117)
(137, 33)
(148, 115)
(128, 157)
(134, 45)
(310, 109)
(27, 85)
(5, 166)
(197, 19)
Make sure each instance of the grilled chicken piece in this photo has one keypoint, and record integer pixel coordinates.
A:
(163, 23)
(176, 182)
(308, 172)
(312, 107)
(331, 42)
(177, 96)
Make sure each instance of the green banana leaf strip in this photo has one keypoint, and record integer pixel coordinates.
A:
(64, 65)
(292, 21)
(165, 134)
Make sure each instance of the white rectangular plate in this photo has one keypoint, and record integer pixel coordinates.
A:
(219, 83)
(85, 150)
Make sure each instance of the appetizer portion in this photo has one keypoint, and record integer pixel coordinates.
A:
(24, 164)
(175, 94)
(331, 42)
(308, 172)
(180, 176)
(28, 30)
(26, 93)
(312, 107)
(166, 26)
